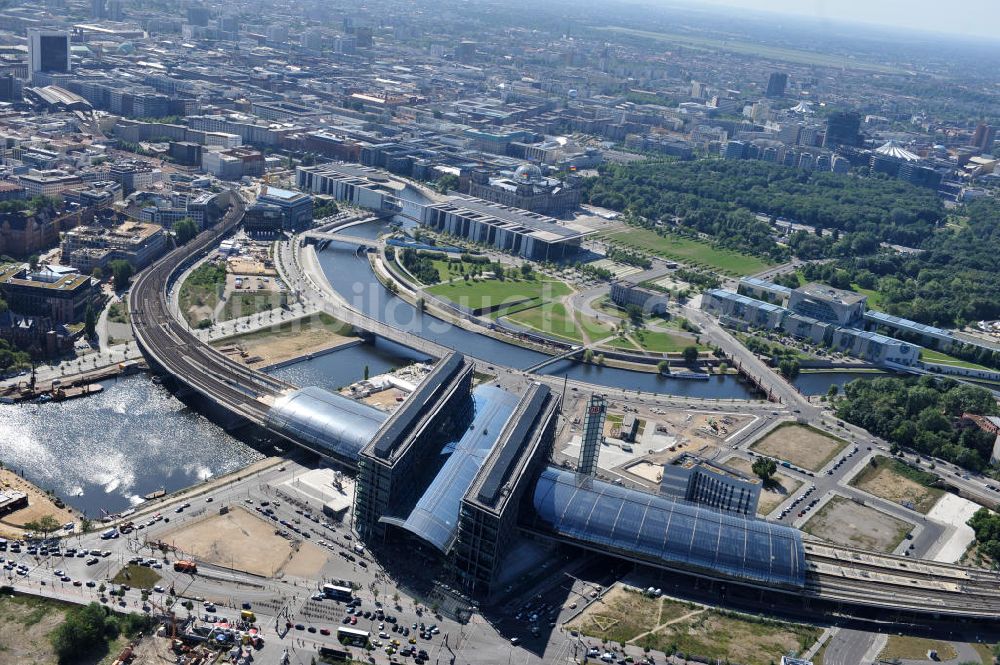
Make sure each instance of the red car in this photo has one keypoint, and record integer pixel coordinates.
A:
(354, 620)
(324, 631)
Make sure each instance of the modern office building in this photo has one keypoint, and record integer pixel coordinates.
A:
(296, 208)
(730, 306)
(592, 436)
(362, 186)
(843, 128)
(520, 232)
(825, 303)
(763, 290)
(405, 449)
(984, 136)
(690, 478)
(776, 84)
(89, 247)
(47, 183)
(838, 322)
(624, 294)
(233, 164)
(48, 51)
(930, 336)
(733, 150)
(263, 219)
(488, 520)
(59, 293)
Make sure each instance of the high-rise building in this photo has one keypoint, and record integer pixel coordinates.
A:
(48, 51)
(733, 150)
(984, 136)
(114, 10)
(776, 84)
(593, 434)
(843, 128)
(198, 15)
(97, 9)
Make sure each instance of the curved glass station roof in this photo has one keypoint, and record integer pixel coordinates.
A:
(667, 532)
(435, 517)
(332, 423)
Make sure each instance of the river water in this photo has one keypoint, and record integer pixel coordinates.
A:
(106, 451)
(818, 383)
(352, 277)
(340, 368)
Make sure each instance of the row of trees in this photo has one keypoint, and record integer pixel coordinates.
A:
(922, 414)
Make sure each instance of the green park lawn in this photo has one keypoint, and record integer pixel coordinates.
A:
(554, 319)
(477, 294)
(874, 298)
(939, 358)
(657, 342)
(688, 250)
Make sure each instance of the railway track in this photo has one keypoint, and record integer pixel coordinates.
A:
(169, 344)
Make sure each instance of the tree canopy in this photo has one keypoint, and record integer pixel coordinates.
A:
(122, 271)
(722, 199)
(185, 230)
(921, 414)
(986, 525)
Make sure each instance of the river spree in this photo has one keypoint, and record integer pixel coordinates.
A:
(106, 451)
(352, 277)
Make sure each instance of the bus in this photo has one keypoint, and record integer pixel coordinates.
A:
(336, 592)
(352, 636)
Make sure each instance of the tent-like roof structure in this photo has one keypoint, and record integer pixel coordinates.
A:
(892, 149)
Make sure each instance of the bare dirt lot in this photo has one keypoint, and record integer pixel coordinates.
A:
(630, 616)
(801, 445)
(288, 340)
(845, 522)
(883, 480)
(39, 505)
(240, 540)
(780, 488)
(25, 624)
(647, 471)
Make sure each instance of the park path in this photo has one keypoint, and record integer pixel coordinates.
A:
(665, 623)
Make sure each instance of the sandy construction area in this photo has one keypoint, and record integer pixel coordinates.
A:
(845, 522)
(802, 446)
(39, 505)
(241, 540)
(286, 341)
(883, 481)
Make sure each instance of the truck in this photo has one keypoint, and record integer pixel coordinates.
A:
(185, 566)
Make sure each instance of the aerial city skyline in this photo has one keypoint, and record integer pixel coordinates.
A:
(485, 331)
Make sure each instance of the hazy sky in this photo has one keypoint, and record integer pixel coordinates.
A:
(964, 17)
